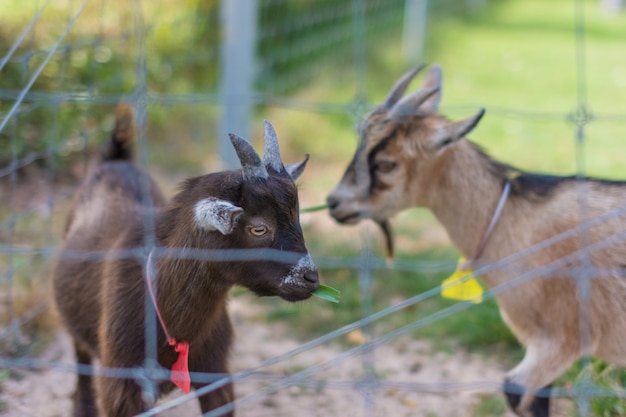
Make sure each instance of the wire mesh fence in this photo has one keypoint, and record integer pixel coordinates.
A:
(65, 65)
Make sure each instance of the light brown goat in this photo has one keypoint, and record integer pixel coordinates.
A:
(410, 155)
(100, 279)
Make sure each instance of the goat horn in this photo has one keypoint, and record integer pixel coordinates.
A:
(409, 105)
(251, 163)
(400, 87)
(271, 153)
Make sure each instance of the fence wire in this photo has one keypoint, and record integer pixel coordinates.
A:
(58, 82)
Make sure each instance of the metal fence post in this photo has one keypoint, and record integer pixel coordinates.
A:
(414, 31)
(239, 21)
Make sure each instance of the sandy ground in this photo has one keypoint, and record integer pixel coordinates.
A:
(404, 367)
(332, 392)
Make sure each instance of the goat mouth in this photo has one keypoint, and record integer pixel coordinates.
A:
(292, 298)
(349, 219)
(297, 293)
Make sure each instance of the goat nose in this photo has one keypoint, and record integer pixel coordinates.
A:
(311, 276)
(332, 202)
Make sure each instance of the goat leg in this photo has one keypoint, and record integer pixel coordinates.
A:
(221, 396)
(214, 361)
(84, 402)
(119, 397)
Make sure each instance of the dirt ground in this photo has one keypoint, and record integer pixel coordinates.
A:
(48, 393)
(330, 393)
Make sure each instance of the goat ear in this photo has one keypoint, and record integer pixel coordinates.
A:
(456, 130)
(295, 170)
(215, 214)
(432, 80)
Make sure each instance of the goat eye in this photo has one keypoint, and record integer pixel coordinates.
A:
(385, 166)
(258, 230)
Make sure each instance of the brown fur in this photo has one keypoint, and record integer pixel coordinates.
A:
(99, 280)
(461, 185)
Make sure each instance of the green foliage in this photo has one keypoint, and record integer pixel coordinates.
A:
(599, 375)
(307, 43)
(106, 57)
(490, 406)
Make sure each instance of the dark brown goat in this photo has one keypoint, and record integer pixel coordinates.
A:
(100, 278)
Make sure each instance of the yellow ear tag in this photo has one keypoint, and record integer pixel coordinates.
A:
(462, 285)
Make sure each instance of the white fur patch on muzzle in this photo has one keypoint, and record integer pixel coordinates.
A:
(296, 274)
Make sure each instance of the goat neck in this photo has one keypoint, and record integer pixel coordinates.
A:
(464, 196)
(190, 311)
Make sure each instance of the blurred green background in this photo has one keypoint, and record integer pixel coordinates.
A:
(320, 66)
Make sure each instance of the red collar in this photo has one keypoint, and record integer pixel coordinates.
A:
(180, 369)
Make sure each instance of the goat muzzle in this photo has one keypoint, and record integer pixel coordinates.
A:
(301, 281)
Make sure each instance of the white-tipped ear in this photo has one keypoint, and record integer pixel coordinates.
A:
(295, 170)
(215, 214)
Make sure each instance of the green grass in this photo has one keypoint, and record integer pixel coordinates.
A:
(522, 55)
(517, 55)
(599, 375)
(4, 375)
(490, 406)
(517, 59)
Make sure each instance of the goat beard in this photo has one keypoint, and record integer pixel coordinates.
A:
(385, 226)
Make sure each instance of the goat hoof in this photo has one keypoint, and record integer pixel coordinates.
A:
(540, 406)
(513, 393)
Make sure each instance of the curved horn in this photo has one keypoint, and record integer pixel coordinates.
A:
(400, 86)
(408, 106)
(251, 163)
(271, 153)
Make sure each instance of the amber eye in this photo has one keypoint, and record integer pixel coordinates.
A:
(258, 230)
(385, 166)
